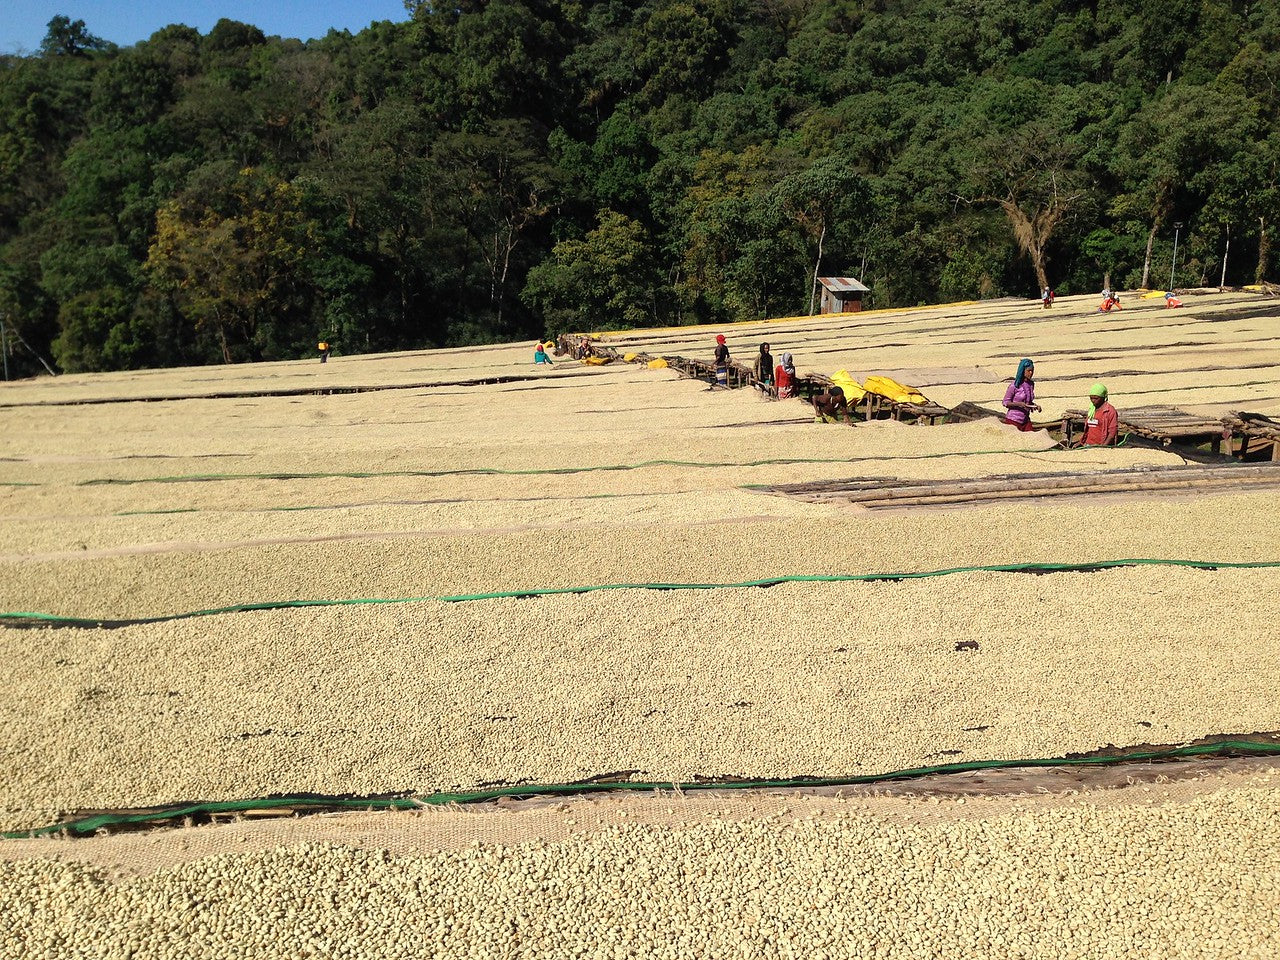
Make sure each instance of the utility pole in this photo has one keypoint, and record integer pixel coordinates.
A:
(1177, 227)
(4, 348)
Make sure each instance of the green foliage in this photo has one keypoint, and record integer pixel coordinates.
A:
(741, 255)
(494, 170)
(69, 38)
(823, 200)
(101, 332)
(604, 281)
(233, 263)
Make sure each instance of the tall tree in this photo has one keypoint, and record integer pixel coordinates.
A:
(234, 263)
(606, 280)
(1032, 175)
(496, 186)
(821, 199)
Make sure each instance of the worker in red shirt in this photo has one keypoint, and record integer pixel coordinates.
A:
(784, 377)
(1102, 426)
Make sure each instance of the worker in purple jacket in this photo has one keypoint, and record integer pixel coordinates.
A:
(1020, 398)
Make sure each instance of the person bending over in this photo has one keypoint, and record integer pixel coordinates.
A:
(830, 404)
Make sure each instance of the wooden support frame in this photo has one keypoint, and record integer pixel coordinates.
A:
(882, 493)
(1237, 435)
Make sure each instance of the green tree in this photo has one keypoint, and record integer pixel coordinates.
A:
(827, 196)
(1164, 151)
(101, 331)
(736, 253)
(1032, 175)
(70, 38)
(496, 186)
(234, 262)
(606, 280)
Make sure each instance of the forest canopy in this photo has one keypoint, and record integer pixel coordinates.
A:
(492, 171)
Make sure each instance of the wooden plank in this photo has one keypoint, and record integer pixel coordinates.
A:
(1099, 489)
(877, 493)
(1225, 470)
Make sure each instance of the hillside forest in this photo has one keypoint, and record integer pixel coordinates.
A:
(491, 171)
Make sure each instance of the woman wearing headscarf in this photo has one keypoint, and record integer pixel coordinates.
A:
(784, 377)
(1020, 398)
(1102, 426)
(722, 362)
(762, 369)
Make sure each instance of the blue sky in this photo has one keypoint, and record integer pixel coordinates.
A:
(125, 22)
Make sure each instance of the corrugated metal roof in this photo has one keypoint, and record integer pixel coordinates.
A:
(843, 285)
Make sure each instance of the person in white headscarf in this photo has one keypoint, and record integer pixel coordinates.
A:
(784, 378)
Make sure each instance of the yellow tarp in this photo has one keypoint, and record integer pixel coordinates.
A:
(895, 391)
(596, 361)
(1153, 295)
(853, 392)
(629, 357)
(657, 364)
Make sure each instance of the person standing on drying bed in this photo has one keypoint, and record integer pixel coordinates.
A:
(1020, 398)
(784, 377)
(722, 362)
(762, 370)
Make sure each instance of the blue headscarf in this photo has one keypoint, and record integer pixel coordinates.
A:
(1022, 371)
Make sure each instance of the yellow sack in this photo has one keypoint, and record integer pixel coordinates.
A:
(895, 391)
(596, 361)
(629, 358)
(852, 392)
(657, 364)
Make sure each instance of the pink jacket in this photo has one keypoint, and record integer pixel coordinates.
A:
(1020, 393)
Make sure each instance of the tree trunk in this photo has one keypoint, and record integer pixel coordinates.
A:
(499, 289)
(1225, 250)
(1146, 263)
(1264, 251)
(1033, 234)
(817, 265)
(1038, 264)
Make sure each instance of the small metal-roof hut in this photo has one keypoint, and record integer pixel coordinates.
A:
(842, 294)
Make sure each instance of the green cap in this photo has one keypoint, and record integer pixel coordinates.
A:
(1097, 390)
